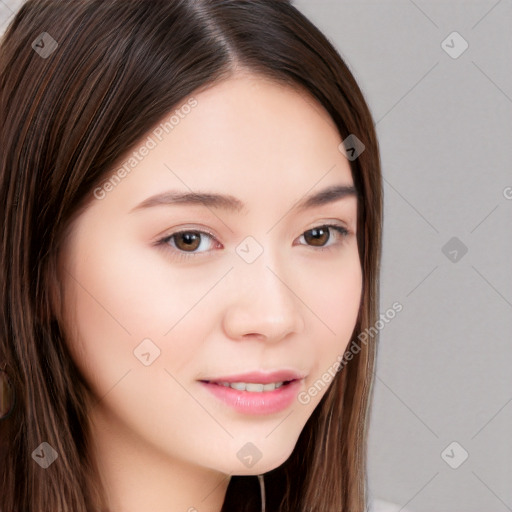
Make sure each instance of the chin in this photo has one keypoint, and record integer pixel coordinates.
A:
(264, 465)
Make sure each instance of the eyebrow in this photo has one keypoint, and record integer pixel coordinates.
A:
(230, 203)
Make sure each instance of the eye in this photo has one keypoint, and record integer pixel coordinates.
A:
(320, 235)
(189, 243)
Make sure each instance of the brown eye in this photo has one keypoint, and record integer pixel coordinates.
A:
(187, 240)
(189, 243)
(193, 243)
(320, 236)
(317, 236)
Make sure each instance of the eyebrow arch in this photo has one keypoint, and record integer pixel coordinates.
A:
(228, 202)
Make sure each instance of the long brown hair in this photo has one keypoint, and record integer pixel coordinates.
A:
(115, 68)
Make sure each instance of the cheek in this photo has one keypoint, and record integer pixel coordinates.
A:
(337, 297)
(98, 326)
(336, 303)
(114, 302)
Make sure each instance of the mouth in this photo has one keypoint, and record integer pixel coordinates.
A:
(256, 393)
(252, 387)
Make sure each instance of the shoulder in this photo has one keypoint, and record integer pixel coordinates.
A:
(385, 506)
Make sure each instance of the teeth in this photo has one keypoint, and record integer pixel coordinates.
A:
(252, 387)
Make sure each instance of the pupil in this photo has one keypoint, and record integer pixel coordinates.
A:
(314, 236)
(190, 240)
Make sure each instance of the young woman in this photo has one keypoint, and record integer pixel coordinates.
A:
(191, 209)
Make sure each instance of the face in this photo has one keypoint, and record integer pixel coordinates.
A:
(167, 299)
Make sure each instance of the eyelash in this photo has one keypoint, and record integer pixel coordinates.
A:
(184, 255)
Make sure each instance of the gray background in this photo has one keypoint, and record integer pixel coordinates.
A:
(444, 126)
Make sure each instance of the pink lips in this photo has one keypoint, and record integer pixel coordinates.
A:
(264, 402)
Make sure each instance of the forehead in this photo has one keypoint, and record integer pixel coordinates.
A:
(246, 136)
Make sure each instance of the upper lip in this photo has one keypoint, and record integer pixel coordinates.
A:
(259, 377)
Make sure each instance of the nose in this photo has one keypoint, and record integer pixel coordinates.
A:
(263, 304)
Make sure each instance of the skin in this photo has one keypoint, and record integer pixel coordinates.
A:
(161, 441)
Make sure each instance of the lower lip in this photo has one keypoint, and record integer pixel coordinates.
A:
(248, 402)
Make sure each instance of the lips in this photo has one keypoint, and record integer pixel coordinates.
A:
(257, 392)
(257, 377)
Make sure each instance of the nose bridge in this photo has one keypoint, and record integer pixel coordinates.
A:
(268, 282)
(263, 302)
